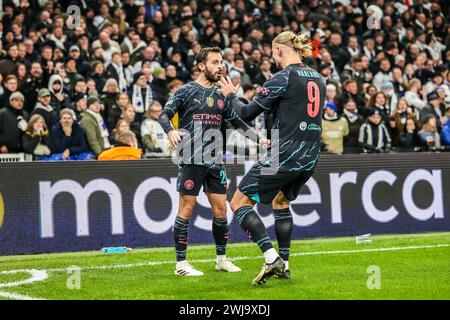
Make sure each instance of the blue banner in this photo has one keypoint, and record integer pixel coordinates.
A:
(77, 206)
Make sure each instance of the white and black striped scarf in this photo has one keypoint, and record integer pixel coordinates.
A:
(141, 104)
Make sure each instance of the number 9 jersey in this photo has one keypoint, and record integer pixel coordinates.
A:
(296, 96)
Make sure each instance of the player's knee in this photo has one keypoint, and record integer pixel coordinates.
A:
(220, 212)
(237, 203)
(280, 202)
(186, 210)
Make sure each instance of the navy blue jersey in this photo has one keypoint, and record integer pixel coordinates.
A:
(296, 96)
(201, 109)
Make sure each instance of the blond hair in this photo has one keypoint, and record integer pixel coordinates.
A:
(298, 42)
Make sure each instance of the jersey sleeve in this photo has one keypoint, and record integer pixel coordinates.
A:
(272, 90)
(174, 103)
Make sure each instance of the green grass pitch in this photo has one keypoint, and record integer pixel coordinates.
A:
(392, 267)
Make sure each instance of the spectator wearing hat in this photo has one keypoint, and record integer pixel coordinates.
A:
(44, 109)
(354, 120)
(126, 148)
(142, 95)
(334, 129)
(59, 99)
(13, 123)
(235, 77)
(434, 108)
(82, 66)
(400, 61)
(68, 137)
(79, 105)
(37, 139)
(95, 127)
(159, 83)
(373, 134)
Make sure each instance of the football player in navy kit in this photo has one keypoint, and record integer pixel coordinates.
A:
(296, 96)
(202, 108)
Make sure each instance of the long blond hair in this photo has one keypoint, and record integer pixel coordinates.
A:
(298, 42)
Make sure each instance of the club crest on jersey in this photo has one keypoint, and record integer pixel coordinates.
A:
(210, 102)
(189, 185)
(220, 103)
(303, 126)
(265, 91)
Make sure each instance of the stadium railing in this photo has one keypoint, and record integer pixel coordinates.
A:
(16, 157)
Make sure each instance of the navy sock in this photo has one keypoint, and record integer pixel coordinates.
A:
(283, 231)
(180, 232)
(254, 227)
(220, 234)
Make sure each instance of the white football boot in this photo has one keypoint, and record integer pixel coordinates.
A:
(184, 268)
(225, 264)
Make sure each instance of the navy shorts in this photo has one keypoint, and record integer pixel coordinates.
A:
(263, 188)
(192, 177)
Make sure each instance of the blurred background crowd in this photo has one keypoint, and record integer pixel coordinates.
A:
(73, 86)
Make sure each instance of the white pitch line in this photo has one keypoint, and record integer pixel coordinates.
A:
(155, 263)
(40, 275)
(16, 296)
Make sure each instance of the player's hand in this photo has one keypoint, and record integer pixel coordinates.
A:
(264, 143)
(174, 138)
(226, 86)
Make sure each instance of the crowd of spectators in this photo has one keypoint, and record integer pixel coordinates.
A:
(74, 86)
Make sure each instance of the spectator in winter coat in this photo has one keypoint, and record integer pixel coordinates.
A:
(334, 129)
(44, 108)
(13, 123)
(409, 139)
(10, 87)
(373, 134)
(59, 99)
(68, 136)
(154, 140)
(37, 140)
(95, 127)
(354, 120)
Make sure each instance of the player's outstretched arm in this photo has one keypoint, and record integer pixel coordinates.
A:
(246, 112)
